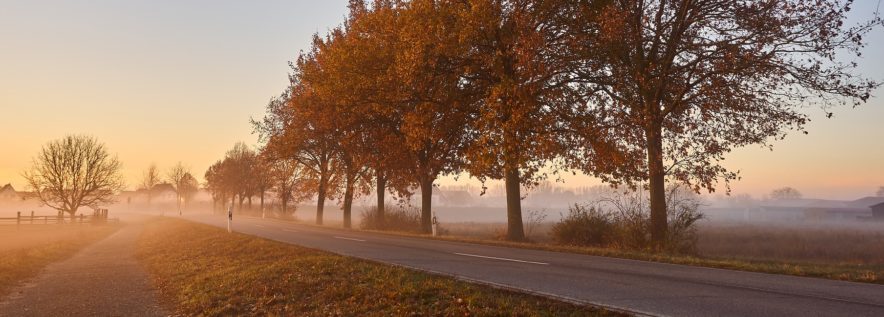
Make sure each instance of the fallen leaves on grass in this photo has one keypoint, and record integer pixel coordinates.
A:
(203, 270)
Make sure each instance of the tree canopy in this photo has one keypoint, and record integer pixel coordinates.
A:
(636, 93)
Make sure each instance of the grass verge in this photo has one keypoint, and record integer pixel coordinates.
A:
(40, 246)
(202, 270)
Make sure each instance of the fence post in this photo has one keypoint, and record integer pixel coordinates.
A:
(32, 217)
(17, 219)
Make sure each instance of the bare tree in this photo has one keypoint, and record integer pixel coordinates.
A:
(785, 193)
(178, 177)
(72, 172)
(150, 179)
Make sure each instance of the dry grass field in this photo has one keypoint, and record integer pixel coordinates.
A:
(859, 245)
(25, 250)
(835, 244)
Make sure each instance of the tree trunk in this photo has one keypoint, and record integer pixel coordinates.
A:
(657, 184)
(426, 204)
(381, 191)
(515, 230)
(348, 205)
(320, 202)
(250, 202)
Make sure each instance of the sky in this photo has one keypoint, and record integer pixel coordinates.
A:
(166, 81)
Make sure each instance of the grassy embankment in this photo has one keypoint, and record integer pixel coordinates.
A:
(26, 250)
(202, 270)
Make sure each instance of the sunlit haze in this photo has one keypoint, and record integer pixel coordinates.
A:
(169, 81)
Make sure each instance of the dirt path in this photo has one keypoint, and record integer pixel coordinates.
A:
(103, 279)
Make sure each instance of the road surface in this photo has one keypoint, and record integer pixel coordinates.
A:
(642, 288)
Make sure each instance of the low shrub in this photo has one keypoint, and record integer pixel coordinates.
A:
(585, 226)
(396, 218)
(623, 220)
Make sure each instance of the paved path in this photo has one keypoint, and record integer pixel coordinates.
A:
(103, 279)
(640, 287)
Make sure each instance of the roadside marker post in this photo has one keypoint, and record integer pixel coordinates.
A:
(229, 218)
(434, 225)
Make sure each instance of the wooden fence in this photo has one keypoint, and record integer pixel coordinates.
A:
(100, 216)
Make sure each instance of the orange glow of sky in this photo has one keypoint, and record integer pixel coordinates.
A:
(168, 81)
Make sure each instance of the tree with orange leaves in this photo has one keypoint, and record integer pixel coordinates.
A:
(686, 81)
(520, 64)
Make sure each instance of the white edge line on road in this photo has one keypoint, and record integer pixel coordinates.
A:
(351, 239)
(257, 225)
(502, 259)
(290, 230)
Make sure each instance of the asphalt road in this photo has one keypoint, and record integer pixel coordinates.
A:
(642, 288)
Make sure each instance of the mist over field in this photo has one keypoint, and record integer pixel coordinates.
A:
(467, 204)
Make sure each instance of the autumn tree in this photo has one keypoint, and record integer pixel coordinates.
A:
(337, 111)
(242, 162)
(687, 81)
(73, 172)
(294, 128)
(519, 62)
(150, 179)
(180, 179)
(289, 182)
(219, 183)
(434, 105)
(363, 79)
(261, 176)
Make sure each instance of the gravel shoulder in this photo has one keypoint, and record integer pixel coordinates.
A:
(103, 279)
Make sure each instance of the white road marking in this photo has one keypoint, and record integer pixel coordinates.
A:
(502, 259)
(290, 230)
(351, 239)
(257, 225)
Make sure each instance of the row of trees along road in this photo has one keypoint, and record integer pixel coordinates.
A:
(179, 177)
(244, 174)
(636, 93)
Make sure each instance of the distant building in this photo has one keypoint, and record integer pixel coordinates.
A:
(160, 193)
(866, 202)
(878, 211)
(8, 193)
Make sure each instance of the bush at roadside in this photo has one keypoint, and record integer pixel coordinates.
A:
(622, 221)
(396, 218)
